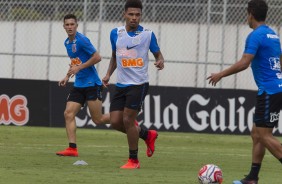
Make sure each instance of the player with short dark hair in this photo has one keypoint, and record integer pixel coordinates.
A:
(258, 9)
(87, 84)
(130, 46)
(263, 52)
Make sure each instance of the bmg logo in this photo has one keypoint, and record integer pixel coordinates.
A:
(13, 110)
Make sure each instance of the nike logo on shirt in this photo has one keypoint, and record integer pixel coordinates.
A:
(128, 48)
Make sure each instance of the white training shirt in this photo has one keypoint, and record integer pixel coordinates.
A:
(132, 56)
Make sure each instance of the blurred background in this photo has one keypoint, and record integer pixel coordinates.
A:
(197, 37)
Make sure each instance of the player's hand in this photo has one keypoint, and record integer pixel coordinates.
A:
(74, 69)
(64, 81)
(105, 81)
(214, 78)
(159, 64)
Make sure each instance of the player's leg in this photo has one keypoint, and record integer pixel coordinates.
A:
(72, 108)
(117, 120)
(270, 142)
(258, 149)
(117, 123)
(93, 97)
(75, 101)
(149, 136)
(136, 95)
(119, 102)
(266, 140)
(129, 116)
(95, 109)
(257, 157)
(258, 152)
(265, 119)
(123, 121)
(273, 105)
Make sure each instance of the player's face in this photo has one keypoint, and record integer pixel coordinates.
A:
(132, 17)
(70, 26)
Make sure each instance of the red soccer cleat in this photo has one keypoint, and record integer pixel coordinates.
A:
(131, 164)
(150, 142)
(72, 152)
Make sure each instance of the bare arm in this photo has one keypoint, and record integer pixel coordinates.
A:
(65, 80)
(159, 60)
(239, 66)
(111, 69)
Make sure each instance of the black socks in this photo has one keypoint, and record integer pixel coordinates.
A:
(72, 145)
(143, 134)
(133, 154)
(254, 171)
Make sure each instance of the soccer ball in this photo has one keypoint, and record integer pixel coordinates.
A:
(210, 174)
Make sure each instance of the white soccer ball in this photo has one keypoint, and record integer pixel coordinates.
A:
(210, 174)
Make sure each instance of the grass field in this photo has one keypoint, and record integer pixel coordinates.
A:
(28, 156)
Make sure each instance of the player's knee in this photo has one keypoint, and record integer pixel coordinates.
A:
(115, 124)
(255, 135)
(128, 122)
(68, 115)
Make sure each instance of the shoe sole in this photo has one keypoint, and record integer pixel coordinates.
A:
(237, 182)
(130, 168)
(67, 155)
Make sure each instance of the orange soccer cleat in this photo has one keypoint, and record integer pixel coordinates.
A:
(131, 164)
(72, 152)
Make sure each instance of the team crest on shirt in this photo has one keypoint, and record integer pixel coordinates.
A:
(274, 63)
(73, 48)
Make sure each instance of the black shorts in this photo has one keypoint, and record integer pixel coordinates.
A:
(131, 97)
(81, 95)
(267, 110)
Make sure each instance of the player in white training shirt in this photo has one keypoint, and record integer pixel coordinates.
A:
(130, 46)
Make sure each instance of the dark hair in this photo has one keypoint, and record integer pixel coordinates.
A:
(70, 16)
(133, 4)
(258, 8)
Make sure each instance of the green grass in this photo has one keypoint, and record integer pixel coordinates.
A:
(27, 155)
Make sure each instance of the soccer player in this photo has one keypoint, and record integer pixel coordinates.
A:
(263, 52)
(130, 46)
(87, 85)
